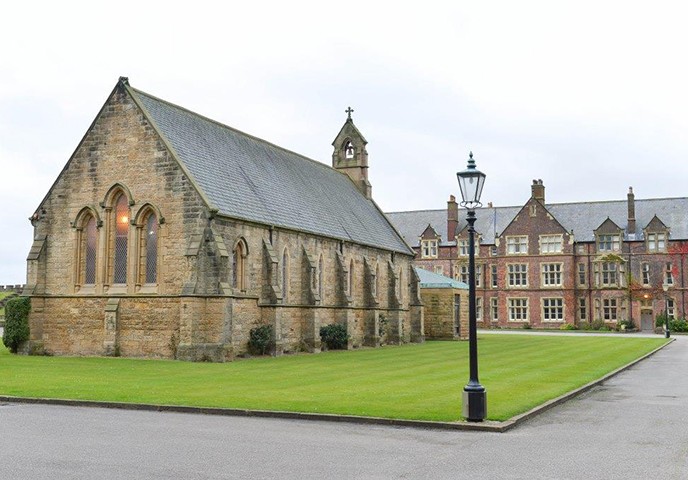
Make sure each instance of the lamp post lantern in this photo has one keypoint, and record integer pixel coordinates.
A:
(471, 183)
(665, 287)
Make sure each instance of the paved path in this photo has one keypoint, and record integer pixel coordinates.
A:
(635, 426)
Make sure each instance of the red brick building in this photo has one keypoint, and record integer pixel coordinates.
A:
(551, 264)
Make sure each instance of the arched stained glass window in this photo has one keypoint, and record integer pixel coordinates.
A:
(121, 239)
(90, 239)
(151, 250)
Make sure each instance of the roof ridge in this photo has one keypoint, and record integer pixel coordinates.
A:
(222, 125)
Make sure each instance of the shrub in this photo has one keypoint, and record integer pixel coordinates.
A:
(334, 336)
(16, 322)
(599, 325)
(260, 339)
(568, 326)
(626, 325)
(661, 320)
(678, 325)
(526, 326)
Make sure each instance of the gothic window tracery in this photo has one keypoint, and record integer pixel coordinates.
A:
(120, 239)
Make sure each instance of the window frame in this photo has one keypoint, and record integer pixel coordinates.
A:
(545, 241)
(583, 309)
(610, 309)
(144, 218)
(121, 227)
(582, 274)
(607, 277)
(462, 247)
(669, 274)
(557, 274)
(670, 308)
(550, 311)
(608, 242)
(517, 245)
(494, 309)
(518, 305)
(239, 265)
(656, 242)
(284, 275)
(517, 271)
(645, 277)
(429, 248)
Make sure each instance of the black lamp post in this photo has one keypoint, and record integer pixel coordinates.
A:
(471, 183)
(665, 287)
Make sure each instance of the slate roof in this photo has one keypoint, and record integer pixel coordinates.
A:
(583, 218)
(408, 223)
(247, 178)
(434, 280)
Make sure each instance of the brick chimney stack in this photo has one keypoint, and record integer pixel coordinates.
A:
(452, 217)
(631, 211)
(538, 190)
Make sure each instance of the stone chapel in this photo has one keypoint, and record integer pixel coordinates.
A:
(168, 234)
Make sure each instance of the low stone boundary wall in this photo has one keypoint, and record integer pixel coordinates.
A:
(12, 288)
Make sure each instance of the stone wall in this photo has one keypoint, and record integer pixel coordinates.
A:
(438, 305)
(196, 310)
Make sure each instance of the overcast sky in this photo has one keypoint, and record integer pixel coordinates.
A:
(588, 96)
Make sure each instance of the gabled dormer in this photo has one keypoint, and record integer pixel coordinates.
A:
(534, 230)
(429, 243)
(350, 155)
(462, 241)
(608, 237)
(656, 235)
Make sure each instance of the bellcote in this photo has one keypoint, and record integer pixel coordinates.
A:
(350, 155)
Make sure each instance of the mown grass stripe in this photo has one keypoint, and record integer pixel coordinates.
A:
(422, 382)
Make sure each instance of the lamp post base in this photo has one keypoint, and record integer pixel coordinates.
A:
(475, 405)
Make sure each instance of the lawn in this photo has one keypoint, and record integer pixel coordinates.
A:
(422, 382)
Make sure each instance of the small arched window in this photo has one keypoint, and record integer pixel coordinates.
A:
(239, 265)
(400, 285)
(149, 249)
(320, 275)
(86, 254)
(285, 274)
(121, 239)
(375, 281)
(350, 286)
